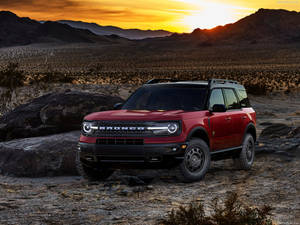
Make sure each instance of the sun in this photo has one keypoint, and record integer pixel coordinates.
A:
(209, 16)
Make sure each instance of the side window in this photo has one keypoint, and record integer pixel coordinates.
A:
(231, 99)
(243, 98)
(216, 97)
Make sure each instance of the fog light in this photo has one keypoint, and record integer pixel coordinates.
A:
(174, 149)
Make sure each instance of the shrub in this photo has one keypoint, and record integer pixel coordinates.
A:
(232, 212)
(11, 77)
(51, 77)
(56, 77)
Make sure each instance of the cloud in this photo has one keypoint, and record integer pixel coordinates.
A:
(152, 14)
(32, 4)
(82, 10)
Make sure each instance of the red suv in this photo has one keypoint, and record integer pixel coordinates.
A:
(181, 125)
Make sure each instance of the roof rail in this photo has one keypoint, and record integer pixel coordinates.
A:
(222, 81)
(155, 81)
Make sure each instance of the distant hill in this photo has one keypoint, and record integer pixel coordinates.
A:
(111, 30)
(15, 30)
(264, 26)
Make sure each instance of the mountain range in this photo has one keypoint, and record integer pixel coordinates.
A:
(134, 34)
(264, 26)
(15, 30)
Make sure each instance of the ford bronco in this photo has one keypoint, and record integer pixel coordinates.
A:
(179, 125)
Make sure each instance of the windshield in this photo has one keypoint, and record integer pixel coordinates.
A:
(168, 97)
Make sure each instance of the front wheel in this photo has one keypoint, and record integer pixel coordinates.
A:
(246, 157)
(196, 162)
(91, 173)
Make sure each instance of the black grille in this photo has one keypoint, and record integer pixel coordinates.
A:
(115, 141)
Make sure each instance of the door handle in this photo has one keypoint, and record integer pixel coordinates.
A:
(244, 117)
(228, 118)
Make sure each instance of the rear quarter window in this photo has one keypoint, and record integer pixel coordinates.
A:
(244, 100)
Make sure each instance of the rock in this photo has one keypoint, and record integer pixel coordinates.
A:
(295, 133)
(139, 189)
(9, 205)
(132, 181)
(275, 130)
(281, 140)
(40, 156)
(52, 113)
(266, 124)
(125, 192)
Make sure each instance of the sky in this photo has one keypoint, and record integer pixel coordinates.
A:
(173, 15)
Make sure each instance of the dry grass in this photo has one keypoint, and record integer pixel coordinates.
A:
(261, 69)
(11, 77)
(232, 212)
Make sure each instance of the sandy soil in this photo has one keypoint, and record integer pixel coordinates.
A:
(70, 200)
(274, 180)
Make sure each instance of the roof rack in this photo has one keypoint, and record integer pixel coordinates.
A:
(155, 81)
(222, 81)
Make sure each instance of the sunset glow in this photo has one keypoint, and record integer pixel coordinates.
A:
(172, 15)
(211, 15)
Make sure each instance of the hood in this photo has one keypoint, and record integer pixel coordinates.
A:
(143, 115)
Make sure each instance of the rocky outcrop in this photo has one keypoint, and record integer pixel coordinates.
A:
(280, 139)
(40, 156)
(276, 131)
(52, 113)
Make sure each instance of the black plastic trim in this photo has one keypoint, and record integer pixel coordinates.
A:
(247, 128)
(225, 150)
(226, 153)
(195, 130)
(131, 153)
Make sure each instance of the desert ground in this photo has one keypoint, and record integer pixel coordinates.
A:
(261, 68)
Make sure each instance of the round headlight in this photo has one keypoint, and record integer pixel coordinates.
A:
(172, 128)
(87, 127)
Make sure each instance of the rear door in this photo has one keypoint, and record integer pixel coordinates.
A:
(220, 125)
(235, 114)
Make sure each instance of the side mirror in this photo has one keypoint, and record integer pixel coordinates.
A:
(219, 108)
(118, 106)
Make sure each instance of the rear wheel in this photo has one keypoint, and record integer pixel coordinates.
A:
(246, 157)
(91, 173)
(196, 162)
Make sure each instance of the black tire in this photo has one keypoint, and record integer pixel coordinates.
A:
(90, 173)
(196, 162)
(246, 157)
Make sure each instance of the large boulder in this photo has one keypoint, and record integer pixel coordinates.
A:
(40, 156)
(280, 139)
(276, 130)
(53, 113)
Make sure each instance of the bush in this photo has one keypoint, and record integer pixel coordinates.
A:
(56, 77)
(11, 77)
(232, 212)
(51, 77)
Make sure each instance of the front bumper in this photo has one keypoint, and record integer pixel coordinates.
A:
(118, 155)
